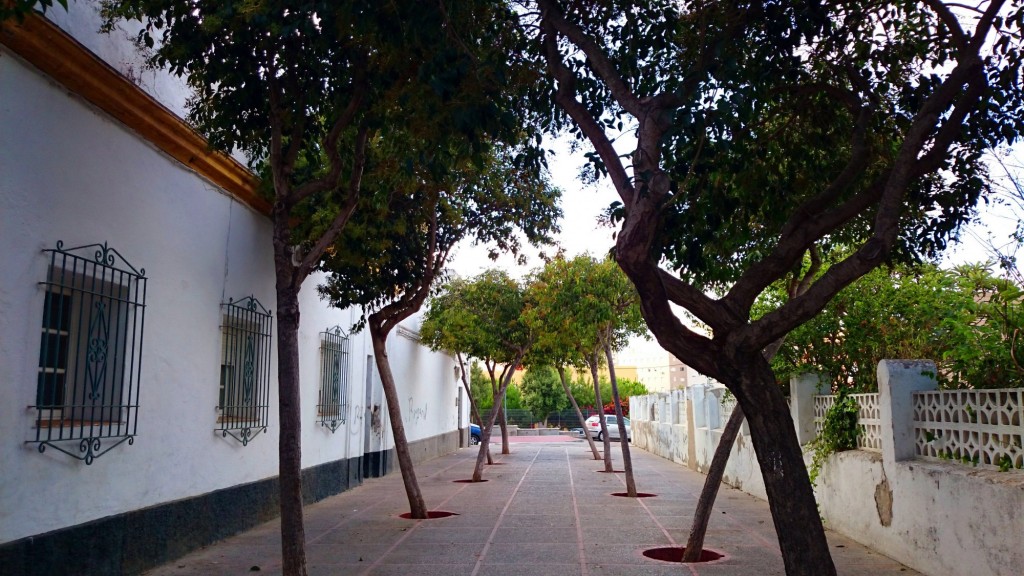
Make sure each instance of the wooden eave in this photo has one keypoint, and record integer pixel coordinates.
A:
(58, 55)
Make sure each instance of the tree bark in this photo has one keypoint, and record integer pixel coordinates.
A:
(788, 486)
(708, 494)
(485, 427)
(472, 403)
(579, 413)
(417, 507)
(600, 411)
(503, 422)
(498, 405)
(627, 460)
(293, 540)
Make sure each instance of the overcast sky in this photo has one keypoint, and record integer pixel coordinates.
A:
(583, 204)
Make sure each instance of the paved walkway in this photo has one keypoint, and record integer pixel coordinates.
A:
(544, 511)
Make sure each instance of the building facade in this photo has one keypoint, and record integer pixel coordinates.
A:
(138, 380)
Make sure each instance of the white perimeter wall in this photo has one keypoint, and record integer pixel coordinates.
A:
(68, 172)
(936, 517)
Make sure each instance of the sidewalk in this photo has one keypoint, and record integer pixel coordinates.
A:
(545, 510)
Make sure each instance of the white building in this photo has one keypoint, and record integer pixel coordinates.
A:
(138, 395)
(655, 368)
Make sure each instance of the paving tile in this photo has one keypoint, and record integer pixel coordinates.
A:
(525, 521)
(531, 553)
(530, 570)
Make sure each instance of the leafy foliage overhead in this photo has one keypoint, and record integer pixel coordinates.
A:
(966, 320)
(401, 236)
(481, 317)
(579, 304)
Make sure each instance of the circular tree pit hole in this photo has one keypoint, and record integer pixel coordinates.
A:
(675, 554)
(470, 481)
(638, 494)
(431, 514)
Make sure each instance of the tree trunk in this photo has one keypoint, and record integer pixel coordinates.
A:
(293, 539)
(503, 421)
(708, 494)
(600, 412)
(485, 427)
(417, 507)
(498, 405)
(579, 413)
(627, 460)
(472, 403)
(790, 495)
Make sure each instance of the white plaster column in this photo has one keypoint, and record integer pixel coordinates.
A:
(802, 390)
(897, 382)
(691, 428)
(674, 404)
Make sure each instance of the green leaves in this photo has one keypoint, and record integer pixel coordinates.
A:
(839, 431)
(18, 9)
(481, 317)
(578, 304)
(964, 319)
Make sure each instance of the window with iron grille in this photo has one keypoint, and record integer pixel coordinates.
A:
(243, 404)
(90, 351)
(333, 406)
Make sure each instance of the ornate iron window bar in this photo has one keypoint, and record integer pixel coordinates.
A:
(334, 359)
(244, 400)
(90, 352)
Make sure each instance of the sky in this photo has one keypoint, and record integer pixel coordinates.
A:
(582, 204)
(580, 233)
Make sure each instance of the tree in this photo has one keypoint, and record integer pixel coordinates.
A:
(483, 317)
(387, 262)
(589, 307)
(303, 90)
(963, 319)
(542, 391)
(763, 131)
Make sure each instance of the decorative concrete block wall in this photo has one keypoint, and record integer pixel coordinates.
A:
(925, 485)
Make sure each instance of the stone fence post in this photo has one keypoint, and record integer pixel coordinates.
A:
(802, 390)
(897, 382)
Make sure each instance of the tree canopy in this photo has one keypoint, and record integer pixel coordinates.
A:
(764, 131)
(577, 305)
(966, 320)
(542, 392)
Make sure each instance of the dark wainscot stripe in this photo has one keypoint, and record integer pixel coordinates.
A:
(135, 541)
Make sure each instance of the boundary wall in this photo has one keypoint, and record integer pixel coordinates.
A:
(936, 516)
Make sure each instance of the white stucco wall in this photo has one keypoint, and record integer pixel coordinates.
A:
(82, 21)
(938, 518)
(68, 172)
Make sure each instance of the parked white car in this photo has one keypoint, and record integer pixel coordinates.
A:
(594, 427)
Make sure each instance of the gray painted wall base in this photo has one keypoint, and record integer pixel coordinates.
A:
(135, 541)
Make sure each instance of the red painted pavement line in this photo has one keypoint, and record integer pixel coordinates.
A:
(672, 542)
(576, 513)
(549, 438)
(490, 539)
(408, 533)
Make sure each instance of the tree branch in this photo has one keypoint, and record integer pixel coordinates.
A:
(331, 180)
(596, 57)
(705, 308)
(810, 221)
(345, 212)
(565, 96)
(950, 20)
